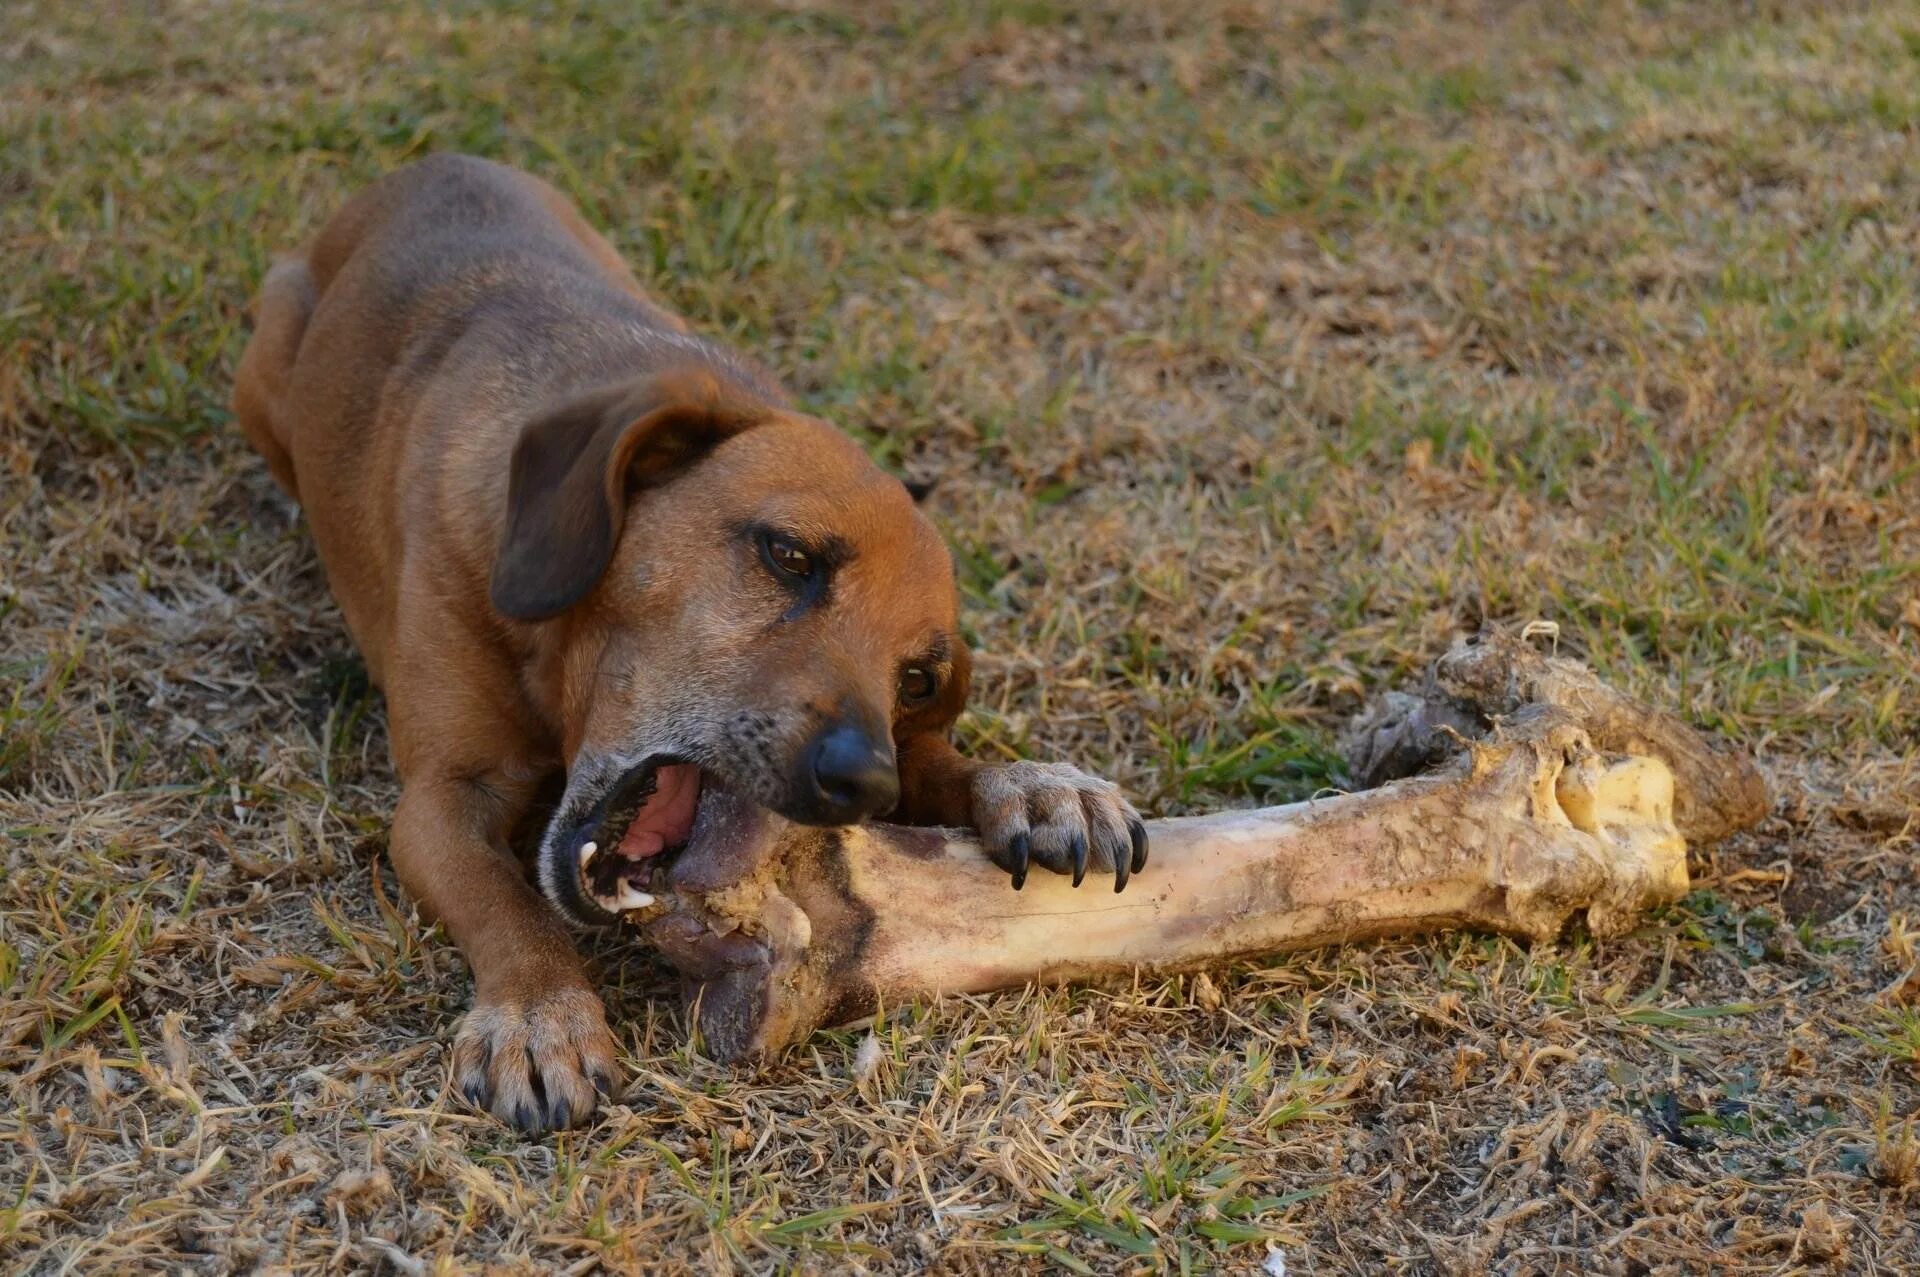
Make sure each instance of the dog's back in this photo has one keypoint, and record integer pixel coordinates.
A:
(400, 350)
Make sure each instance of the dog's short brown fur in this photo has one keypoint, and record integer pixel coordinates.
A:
(571, 537)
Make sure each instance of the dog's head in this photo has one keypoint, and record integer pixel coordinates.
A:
(745, 614)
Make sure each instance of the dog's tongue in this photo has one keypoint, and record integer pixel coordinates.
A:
(667, 818)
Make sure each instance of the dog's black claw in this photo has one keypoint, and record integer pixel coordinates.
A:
(1138, 832)
(476, 1093)
(1122, 869)
(526, 1117)
(1079, 849)
(1020, 850)
(559, 1114)
(602, 1083)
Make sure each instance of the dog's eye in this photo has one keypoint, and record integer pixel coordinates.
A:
(788, 557)
(917, 684)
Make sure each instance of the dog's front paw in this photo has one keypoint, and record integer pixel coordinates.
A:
(1060, 818)
(539, 1063)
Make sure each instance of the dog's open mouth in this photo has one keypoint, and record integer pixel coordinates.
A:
(660, 820)
(650, 814)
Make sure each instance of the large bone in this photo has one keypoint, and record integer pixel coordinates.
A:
(1515, 834)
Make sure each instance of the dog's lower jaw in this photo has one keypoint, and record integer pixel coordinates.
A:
(558, 873)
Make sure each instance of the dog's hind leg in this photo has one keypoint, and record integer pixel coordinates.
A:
(280, 317)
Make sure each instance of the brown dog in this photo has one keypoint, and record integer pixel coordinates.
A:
(567, 534)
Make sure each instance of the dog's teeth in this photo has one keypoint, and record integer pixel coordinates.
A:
(587, 854)
(630, 897)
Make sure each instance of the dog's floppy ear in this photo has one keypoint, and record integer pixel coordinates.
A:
(575, 466)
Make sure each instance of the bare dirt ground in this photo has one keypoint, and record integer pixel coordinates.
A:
(1257, 349)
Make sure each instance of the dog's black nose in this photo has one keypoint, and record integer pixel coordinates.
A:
(850, 776)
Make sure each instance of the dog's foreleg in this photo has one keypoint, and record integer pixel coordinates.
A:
(1027, 814)
(535, 1049)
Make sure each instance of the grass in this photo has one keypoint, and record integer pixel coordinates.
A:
(1257, 349)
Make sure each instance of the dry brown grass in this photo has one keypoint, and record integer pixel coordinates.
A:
(1257, 349)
